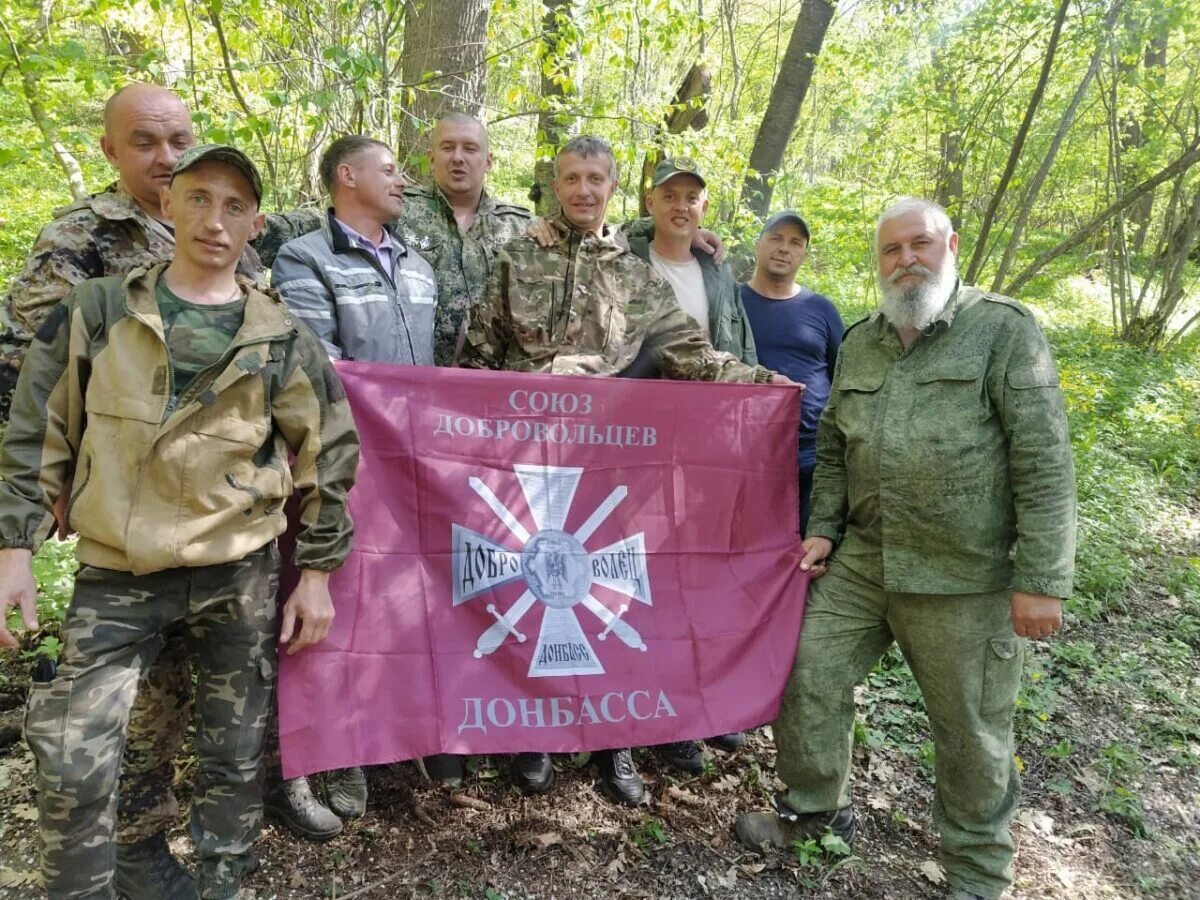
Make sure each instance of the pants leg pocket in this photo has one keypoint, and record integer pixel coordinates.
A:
(46, 717)
(259, 706)
(1004, 658)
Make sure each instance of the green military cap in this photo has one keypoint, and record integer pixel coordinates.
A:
(221, 153)
(680, 165)
(787, 215)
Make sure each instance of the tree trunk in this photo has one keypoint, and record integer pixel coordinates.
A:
(1180, 165)
(444, 63)
(787, 97)
(560, 58)
(981, 249)
(1156, 66)
(49, 132)
(687, 110)
(1068, 119)
(949, 186)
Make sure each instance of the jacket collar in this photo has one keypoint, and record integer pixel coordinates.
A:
(266, 317)
(341, 243)
(610, 240)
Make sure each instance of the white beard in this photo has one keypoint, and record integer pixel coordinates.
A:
(918, 305)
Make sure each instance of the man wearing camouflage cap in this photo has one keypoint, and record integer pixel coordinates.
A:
(708, 292)
(171, 401)
(545, 310)
(123, 227)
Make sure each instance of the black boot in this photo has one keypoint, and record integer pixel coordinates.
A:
(346, 790)
(619, 777)
(533, 773)
(727, 742)
(147, 871)
(446, 768)
(293, 804)
(684, 756)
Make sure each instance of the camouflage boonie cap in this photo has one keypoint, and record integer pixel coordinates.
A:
(787, 215)
(221, 153)
(680, 165)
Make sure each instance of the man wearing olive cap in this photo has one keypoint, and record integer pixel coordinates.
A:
(171, 400)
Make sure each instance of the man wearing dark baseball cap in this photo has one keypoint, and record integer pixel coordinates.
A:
(797, 332)
(180, 407)
(708, 292)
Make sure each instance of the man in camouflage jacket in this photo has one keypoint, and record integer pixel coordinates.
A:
(173, 434)
(113, 232)
(944, 479)
(588, 306)
(457, 226)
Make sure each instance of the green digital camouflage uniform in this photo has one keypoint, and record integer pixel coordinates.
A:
(110, 234)
(461, 262)
(177, 499)
(588, 306)
(944, 475)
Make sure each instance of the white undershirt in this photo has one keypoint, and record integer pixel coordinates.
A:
(687, 281)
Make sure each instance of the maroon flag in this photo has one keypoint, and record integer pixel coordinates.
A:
(553, 563)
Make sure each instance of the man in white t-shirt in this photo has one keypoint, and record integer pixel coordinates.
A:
(708, 292)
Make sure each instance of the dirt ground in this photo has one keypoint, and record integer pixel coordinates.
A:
(1074, 839)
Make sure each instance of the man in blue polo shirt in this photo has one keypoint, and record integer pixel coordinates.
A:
(796, 332)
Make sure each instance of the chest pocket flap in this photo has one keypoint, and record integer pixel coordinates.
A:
(861, 381)
(952, 370)
(1035, 376)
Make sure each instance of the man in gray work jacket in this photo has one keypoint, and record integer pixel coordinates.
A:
(367, 297)
(355, 282)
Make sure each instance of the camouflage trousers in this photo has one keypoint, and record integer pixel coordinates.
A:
(967, 662)
(116, 628)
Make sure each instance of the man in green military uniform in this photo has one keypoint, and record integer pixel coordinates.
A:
(457, 226)
(146, 127)
(169, 403)
(588, 306)
(945, 482)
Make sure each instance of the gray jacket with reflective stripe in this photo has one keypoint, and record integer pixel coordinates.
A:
(344, 295)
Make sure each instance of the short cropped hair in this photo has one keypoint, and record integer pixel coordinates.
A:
(340, 151)
(906, 205)
(587, 146)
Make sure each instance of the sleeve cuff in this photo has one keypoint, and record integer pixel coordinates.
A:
(816, 529)
(1047, 587)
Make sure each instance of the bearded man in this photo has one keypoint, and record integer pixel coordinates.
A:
(944, 513)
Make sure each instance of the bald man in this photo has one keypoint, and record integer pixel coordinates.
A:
(458, 227)
(146, 127)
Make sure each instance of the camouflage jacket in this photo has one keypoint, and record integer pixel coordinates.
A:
(110, 234)
(588, 306)
(461, 262)
(157, 482)
(947, 467)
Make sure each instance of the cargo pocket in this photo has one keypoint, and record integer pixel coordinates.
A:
(1001, 675)
(46, 714)
(259, 706)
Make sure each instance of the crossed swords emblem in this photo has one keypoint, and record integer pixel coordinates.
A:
(558, 571)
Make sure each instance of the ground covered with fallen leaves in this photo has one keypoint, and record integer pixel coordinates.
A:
(1109, 731)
